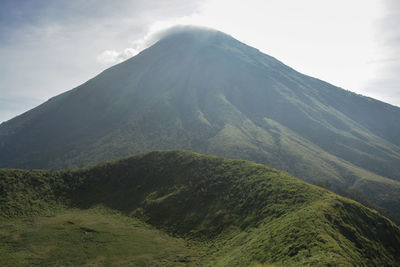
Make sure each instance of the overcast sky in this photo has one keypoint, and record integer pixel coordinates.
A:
(48, 47)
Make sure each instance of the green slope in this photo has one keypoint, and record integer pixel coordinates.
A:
(204, 91)
(216, 211)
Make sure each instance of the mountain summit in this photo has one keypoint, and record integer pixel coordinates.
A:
(204, 91)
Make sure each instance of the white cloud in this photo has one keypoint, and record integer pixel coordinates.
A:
(157, 31)
(108, 57)
(111, 57)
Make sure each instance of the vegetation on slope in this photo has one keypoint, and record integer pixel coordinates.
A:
(223, 212)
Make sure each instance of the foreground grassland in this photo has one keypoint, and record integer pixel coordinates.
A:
(89, 237)
(181, 208)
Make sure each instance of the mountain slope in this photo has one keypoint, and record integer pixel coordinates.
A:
(228, 212)
(204, 91)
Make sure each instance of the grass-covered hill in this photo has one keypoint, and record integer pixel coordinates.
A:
(203, 91)
(181, 208)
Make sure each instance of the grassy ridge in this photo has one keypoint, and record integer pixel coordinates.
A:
(231, 212)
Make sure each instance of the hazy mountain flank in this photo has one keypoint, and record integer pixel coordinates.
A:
(180, 208)
(204, 91)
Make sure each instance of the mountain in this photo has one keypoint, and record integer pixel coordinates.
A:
(204, 91)
(182, 208)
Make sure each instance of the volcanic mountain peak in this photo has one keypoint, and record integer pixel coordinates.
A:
(202, 90)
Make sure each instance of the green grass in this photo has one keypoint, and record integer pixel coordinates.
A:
(179, 207)
(89, 237)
